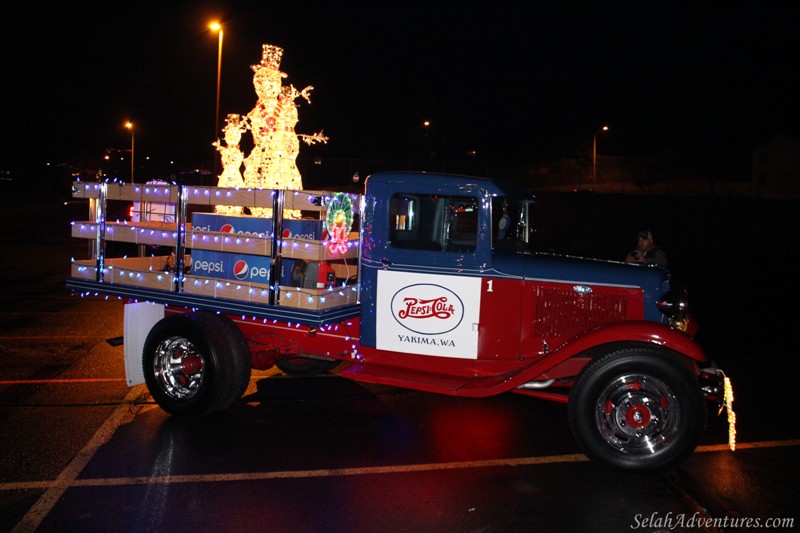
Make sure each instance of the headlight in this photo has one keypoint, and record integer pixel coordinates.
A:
(675, 306)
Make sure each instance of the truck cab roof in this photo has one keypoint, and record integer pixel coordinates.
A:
(432, 182)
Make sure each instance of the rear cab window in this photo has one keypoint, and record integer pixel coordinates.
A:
(434, 222)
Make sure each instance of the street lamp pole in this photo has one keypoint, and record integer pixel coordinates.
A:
(594, 156)
(216, 26)
(129, 125)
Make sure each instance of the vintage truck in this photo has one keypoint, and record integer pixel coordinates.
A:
(426, 281)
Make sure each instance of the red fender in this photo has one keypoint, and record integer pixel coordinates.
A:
(640, 331)
(566, 360)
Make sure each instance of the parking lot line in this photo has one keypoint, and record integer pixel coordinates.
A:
(68, 479)
(748, 445)
(62, 381)
(123, 414)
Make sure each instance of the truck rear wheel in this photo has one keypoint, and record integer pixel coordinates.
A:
(195, 364)
(637, 409)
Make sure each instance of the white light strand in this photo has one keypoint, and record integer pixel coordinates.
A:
(728, 406)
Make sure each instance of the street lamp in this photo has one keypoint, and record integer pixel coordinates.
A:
(129, 125)
(216, 26)
(594, 155)
(426, 127)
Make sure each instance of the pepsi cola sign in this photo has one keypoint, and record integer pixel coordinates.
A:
(431, 314)
(239, 267)
(427, 309)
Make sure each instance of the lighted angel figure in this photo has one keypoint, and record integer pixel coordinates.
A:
(232, 158)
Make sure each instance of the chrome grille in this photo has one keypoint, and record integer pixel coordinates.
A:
(561, 312)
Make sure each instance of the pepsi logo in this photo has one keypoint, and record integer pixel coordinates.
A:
(240, 269)
(227, 228)
(286, 233)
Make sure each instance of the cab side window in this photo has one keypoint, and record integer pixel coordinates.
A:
(433, 222)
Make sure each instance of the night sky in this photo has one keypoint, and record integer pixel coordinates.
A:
(698, 84)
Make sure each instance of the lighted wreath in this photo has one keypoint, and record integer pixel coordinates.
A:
(339, 220)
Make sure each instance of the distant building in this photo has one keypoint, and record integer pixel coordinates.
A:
(776, 168)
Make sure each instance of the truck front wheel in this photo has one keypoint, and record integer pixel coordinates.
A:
(637, 409)
(195, 364)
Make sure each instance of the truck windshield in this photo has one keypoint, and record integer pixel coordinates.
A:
(510, 222)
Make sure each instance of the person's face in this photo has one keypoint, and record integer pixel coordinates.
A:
(643, 243)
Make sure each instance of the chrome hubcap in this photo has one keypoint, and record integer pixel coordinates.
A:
(637, 414)
(178, 367)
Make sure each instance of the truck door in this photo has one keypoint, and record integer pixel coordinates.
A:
(421, 272)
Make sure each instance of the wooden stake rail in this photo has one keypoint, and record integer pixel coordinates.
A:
(163, 273)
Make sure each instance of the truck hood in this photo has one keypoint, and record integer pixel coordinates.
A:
(653, 280)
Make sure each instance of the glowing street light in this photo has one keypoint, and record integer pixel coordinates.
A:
(217, 27)
(594, 155)
(129, 125)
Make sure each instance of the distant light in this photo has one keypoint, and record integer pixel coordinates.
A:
(216, 26)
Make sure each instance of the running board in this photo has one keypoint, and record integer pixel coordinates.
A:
(473, 386)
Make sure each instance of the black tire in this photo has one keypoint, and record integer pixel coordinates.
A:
(637, 409)
(305, 366)
(195, 364)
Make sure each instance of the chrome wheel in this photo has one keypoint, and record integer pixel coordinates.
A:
(637, 414)
(195, 363)
(178, 368)
(638, 409)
